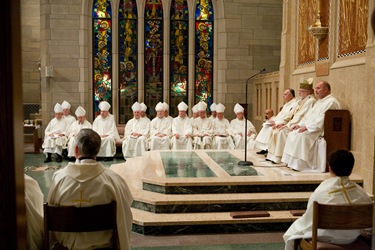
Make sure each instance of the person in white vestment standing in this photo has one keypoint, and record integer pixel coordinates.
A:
(66, 112)
(34, 200)
(105, 125)
(285, 115)
(85, 183)
(213, 112)
(303, 143)
(338, 189)
(222, 139)
(202, 128)
(136, 134)
(55, 135)
(280, 133)
(237, 129)
(74, 129)
(182, 129)
(160, 129)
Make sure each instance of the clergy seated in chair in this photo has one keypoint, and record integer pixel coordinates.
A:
(136, 134)
(285, 115)
(222, 139)
(237, 129)
(85, 183)
(303, 142)
(338, 189)
(202, 128)
(182, 129)
(105, 125)
(160, 129)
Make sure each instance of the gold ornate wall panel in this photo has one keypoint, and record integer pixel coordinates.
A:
(352, 27)
(306, 42)
(324, 43)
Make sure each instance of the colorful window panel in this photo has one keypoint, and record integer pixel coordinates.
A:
(179, 55)
(102, 52)
(204, 51)
(128, 58)
(153, 54)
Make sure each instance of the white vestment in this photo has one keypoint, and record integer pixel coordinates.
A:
(134, 146)
(106, 126)
(300, 148)
(237, 131)
(162, 126)
(34, 214)
(222, 139)
(335, 190)
(200, 128)
(88, 183)
(54, 143)
(72, 132)
(283, 117)
(69, 119)
(278, 136)
(182, 127)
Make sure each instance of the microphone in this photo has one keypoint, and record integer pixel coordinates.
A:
(260, 72)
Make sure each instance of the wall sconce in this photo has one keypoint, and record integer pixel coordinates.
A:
(317, 30)
(49, 71)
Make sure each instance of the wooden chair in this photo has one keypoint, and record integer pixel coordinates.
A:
(80, 219)
(339, 217)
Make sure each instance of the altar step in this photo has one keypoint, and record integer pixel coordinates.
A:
(148, 223)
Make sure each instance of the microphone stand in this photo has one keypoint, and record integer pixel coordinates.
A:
(246, 162)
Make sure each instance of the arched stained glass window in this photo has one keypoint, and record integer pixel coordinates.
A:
(102, 52)
(204, 19)
(128, 58)
(153, 54)
(179, 54)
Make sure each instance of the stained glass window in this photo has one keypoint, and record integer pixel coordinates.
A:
(153, 54)
(178, 54)
(204, 18)
(102, 52)
(128, 58)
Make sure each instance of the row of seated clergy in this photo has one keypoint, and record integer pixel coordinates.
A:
(298, 143)
(184, 132)
(61, 131)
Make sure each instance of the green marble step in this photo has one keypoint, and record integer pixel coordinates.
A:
(147, 223)
(162, 203)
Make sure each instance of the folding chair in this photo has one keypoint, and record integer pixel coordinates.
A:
(80, 219)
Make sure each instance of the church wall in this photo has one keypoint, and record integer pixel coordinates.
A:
(30, 28)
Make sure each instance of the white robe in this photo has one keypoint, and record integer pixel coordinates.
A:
(34, 214)
(222, 139)
(182, 127)
(201, 127)
(133, 146)
(283, 117)
(69, 119)
(278, 136)
(300, 148)
(336, 190)
(163, 126)
(88, 183)
(106, 126)
(55, 143)
(72, 132)
(237, 131)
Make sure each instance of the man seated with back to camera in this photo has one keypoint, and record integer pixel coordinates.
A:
(338, 189)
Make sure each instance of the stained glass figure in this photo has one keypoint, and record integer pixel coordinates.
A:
(102, 52)
(204, 51)
(153, 54)
(128, 58)
(178, 54)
